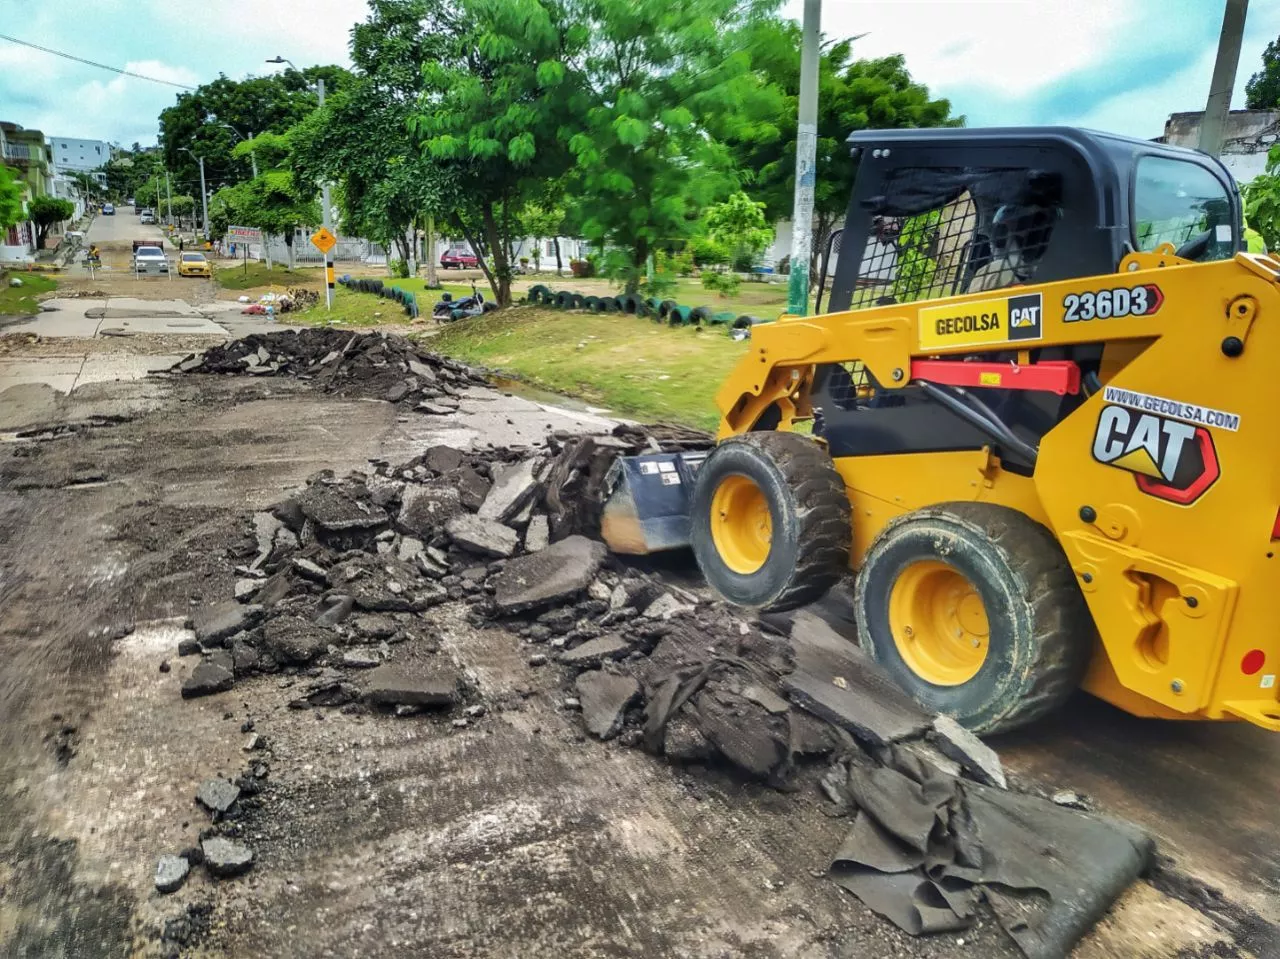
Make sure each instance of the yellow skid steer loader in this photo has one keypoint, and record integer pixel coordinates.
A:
(1039, 422)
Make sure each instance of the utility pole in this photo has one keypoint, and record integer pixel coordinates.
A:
(168, 195)
(1213, 126)
(806, 163)
(327, 219)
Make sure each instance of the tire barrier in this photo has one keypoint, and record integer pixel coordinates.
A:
(680, 316)
(366, 285)
(738, 326)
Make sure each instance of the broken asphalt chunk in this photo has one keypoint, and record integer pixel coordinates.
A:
(595, 651)
(333, 510)
(214, 624)
(171, 873)
(207, 678)
(548, 576)
(225, 858)
(292, 641)
(605, 698)
(217, 795)
(513, 488)
(975, 756)
(483, 536)
(395, 684)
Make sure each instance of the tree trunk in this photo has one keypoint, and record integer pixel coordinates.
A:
(433, 280)
(482, 257)
(640, 257)
(501, 262)
(559, 265)
(288, 242)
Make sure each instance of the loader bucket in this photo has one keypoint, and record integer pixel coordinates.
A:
(648, 506)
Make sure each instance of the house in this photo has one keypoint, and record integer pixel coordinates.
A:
(29, 153)
(1249, 134)
(81, 156)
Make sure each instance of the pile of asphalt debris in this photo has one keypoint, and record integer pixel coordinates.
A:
(345, 363)
(346, 586)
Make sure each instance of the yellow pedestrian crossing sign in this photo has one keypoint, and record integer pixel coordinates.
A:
(323, 240)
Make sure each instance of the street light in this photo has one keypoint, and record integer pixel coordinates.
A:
(324, 192)
(204, 196)
(253, 156)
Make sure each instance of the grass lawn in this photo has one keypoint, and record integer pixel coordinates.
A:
(627, 364)
(364, 309)
(232, 276)
(21, 300)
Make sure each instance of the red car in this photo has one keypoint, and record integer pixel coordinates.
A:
(458, 260)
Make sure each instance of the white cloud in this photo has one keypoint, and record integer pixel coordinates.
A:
(1009, 45)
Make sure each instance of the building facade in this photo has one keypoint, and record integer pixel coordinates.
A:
(1249, 134)
(28, 152)
(82, 156)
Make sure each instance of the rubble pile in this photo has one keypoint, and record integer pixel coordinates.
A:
(349, 364)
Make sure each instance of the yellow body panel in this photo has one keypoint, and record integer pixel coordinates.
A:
(194, 269)
(1182, 593)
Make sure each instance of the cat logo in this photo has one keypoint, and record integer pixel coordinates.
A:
(1170, 460)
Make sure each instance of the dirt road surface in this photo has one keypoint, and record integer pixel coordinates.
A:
(514, 836)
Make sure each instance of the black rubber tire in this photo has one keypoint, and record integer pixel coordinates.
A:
(1041, 633)
(809, 512)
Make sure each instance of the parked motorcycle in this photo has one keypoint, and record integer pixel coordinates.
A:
(448, 309)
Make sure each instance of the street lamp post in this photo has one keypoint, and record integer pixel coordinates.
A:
(204, 195)
(253, 156)
(325, 213)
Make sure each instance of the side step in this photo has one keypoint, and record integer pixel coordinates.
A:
(648, 506)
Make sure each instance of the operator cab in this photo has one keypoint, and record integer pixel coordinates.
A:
(945, 212)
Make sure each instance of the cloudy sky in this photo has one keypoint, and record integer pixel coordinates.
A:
(1119, 65)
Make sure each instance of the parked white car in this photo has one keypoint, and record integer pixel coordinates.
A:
(147, 216)
(150, 259)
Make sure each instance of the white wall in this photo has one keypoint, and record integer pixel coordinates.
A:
(70, 153)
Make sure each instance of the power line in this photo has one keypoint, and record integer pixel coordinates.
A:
(93, 63)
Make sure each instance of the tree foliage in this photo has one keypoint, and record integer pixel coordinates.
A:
(497, 106)
(668, 84)
(199, 121)
(1262, 92)
(738, 224)
(45, 211)
(852, 95)
(1262, 201)
(11, 191)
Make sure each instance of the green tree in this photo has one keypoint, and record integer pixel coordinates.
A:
(273, 201)
(1262, 92)
(500, 97)
(11, 191)
(852, 95)
(211, 120)
(360, 140)
(667, 86)
(1262, 201)
(45, 211)
(739, 225)
(539, 221)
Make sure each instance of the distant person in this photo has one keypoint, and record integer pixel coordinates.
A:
(181, 242)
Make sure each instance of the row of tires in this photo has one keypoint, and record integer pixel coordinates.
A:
(369, 285)
(658, 310)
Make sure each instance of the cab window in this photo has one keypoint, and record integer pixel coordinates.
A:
(1184, 204)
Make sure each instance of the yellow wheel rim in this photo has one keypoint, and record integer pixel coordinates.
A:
(939, 623)
(741, 525)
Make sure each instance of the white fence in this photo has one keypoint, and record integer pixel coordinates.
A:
(347, 251)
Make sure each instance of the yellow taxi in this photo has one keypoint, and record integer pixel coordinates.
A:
(194, 264)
